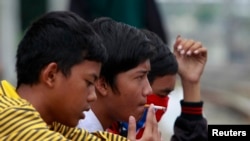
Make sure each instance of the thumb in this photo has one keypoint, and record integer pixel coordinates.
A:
(131, 128)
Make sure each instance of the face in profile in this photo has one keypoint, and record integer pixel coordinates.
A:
(164, 85)
(75, 92)
(131, 95)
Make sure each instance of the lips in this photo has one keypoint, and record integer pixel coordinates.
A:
(142, 107)
(82, 112)
(87, 108)
(82, 115)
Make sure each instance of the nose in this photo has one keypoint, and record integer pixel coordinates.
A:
(92, 95)
(147, 90)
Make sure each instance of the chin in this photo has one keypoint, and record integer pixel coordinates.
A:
(72, 123)
(138, 117)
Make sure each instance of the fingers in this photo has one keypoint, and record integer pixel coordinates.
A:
(151, 132)
(200, 50)
(203, 53)
(188, 47)
(177, 43)
(131, 128)
(150, 120)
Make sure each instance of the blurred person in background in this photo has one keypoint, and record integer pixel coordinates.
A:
(138, 13)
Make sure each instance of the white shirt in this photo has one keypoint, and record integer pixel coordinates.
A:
(90, 122)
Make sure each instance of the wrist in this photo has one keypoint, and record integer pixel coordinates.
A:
(191, 92)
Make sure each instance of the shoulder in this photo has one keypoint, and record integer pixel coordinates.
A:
(8, 103)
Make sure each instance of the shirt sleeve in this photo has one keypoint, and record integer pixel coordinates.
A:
(190, 125)
(25, 123)
(79, 134)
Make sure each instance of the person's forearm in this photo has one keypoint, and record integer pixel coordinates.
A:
(191, 91)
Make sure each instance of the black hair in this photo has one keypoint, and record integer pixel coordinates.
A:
(61, 37)
(163, 62)
(126, 45)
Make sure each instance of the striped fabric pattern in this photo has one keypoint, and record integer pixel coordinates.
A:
(19, 121)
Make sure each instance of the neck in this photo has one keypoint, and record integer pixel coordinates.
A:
(102, 114)
(34, 95)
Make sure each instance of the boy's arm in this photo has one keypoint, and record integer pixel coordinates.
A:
(191, 57)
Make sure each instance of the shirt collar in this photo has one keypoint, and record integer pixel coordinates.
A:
(8, 90)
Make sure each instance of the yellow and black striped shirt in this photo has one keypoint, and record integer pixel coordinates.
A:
(19, 121)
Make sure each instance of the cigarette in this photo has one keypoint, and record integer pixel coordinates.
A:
(156, 107)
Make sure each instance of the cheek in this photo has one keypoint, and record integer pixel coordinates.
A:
(132, 94)
(77, 95)
(131, 87)
(156, 88)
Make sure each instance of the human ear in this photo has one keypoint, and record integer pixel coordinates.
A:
(101, 86)
(48, 74)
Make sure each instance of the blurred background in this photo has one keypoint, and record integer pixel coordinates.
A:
(223, 26)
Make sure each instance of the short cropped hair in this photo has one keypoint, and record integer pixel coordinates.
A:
(61, 37)
(163, 62)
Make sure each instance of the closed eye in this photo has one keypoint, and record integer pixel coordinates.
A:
(164, 93)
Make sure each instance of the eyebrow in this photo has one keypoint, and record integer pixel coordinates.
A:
(143, 71)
